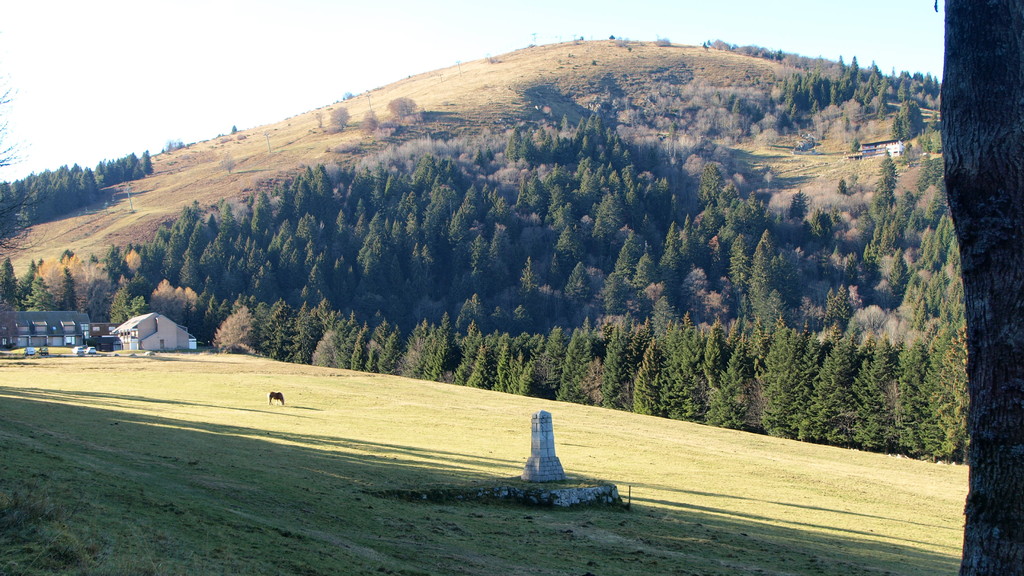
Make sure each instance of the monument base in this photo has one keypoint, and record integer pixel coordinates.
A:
(543, 469)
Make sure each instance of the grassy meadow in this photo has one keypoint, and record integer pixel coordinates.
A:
(176, 464)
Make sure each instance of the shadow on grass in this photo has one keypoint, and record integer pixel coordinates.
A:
(215, 497)
(792, 505)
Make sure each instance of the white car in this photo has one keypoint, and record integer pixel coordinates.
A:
(90, 350)
(78, 350)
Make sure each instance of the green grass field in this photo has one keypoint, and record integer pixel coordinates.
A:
(175, 464)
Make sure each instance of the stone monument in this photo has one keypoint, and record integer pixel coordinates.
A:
(543, 465)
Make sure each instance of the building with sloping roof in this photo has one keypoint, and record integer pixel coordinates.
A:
(154, 331)
(49, 328)
(879, 149)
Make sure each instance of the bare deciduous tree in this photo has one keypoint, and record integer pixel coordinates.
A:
(235, 332)
(228, 162)
(339, 119)
(13, 222)
(370, 123)
(402, 109)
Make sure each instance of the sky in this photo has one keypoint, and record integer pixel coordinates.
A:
(97, 80)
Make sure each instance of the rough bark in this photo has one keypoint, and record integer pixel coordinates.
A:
(983, 140)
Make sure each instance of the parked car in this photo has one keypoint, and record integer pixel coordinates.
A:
(78, 350)
(30, 351)
(44, 350)
(90, 350)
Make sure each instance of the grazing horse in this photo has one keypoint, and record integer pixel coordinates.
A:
(275, 396)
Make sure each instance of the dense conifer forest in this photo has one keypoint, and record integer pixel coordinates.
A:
(626, 260)
(53, 194)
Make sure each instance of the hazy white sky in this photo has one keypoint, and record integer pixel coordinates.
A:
(96, 80)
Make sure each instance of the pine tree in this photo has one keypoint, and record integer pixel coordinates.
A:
(878, 399)
(550, 364)
(727, 406)
(578, 355)
(684, 391)
(39, 297)
(710, 184)
(617, 374)
(647, 384)
(8, 284)
(484, 372)
(834, 417)
(66, 298)
(948, 407)
(577, 287)
(915, 395)
(790, 368)
(279, 332)
(766, 301)
(838, 310)
(124, 305)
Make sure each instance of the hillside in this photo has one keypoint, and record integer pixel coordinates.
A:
(665, 230)
(175, 464)
(572, 79)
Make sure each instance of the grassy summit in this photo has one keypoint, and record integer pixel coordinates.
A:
(572, 79)
(175, 464)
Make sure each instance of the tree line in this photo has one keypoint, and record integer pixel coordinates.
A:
(828, 388)
(55, 193)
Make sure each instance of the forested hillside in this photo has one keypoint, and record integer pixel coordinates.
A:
(53, 194)
(632, 259)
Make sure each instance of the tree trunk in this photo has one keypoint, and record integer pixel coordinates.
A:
(983, 140)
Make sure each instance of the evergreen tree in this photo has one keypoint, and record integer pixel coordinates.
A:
(66, 297)
(385, 347)
(647, 384)
(279, 332)
(838, 310)
(577, 287)
(834, 417)
(124, 305)
(615, 386)
(484, 371)
(765, 299)
(684, 390)
(727, 406)
(947, 430)
(878, 398)
(308, 333)
(915, 396)
(711, 183)
(578, 355)
(39, 297)
(790, 367)
(8, 284)
(798, 206)
(550, 364)
(616, 293)
(440, 351)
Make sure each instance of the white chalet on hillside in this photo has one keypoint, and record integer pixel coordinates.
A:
(154, 332)
(891, 147)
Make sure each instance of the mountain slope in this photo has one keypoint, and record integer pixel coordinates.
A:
(570, 79)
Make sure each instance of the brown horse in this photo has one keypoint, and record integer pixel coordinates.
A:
(275, 396)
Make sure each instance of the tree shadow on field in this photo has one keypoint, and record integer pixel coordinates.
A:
(189, 492)
(790, 505)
